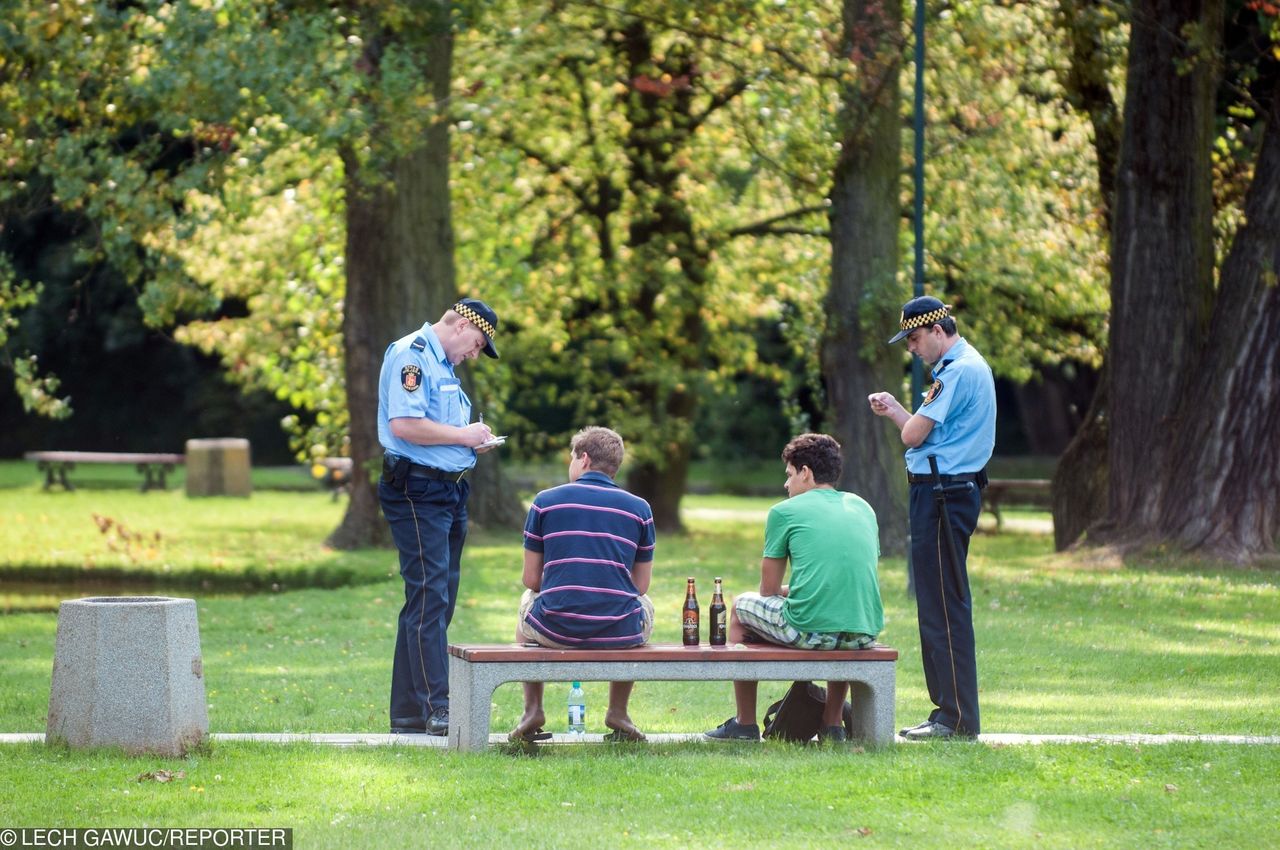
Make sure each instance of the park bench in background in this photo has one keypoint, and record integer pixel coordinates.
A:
(153, 466)
(476, 671)
(336, 474)
(1017, 491)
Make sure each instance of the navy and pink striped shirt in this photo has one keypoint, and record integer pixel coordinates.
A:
(590, 532)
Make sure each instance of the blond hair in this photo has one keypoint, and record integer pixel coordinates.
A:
(603, 445)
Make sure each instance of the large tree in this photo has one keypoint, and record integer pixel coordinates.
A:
(1190, 407)
(400, 259)
(618, 203)
(166, 140)
(864, 296)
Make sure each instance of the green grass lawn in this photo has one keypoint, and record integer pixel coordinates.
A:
(692, 795)
(1066, 644)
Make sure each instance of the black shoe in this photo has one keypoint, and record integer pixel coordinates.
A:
(929, 730)
(732, 730)
(438, 722)
(832, 734)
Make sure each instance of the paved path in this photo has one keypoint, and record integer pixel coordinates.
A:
(352, 739)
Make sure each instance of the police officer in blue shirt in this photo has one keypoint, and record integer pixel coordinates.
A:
(956, 424)
(424, 424)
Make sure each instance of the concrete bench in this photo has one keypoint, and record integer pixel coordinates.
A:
(153, 466)
(1022, 491)
(475, 671)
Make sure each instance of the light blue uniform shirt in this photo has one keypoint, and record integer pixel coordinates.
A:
(417, 381)
(962, 405)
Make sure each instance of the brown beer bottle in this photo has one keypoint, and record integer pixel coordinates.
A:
(690, 617)
(718, 630)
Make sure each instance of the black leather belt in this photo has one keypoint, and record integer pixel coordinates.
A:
(926, 478)
(417, 470)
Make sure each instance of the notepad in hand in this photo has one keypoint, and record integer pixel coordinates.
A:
(492, 441)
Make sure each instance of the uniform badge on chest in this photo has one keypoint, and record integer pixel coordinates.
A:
(933, 392)
(410, 378)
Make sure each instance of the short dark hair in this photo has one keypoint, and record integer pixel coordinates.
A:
(603, 445)
(948, 326)
(818, 452)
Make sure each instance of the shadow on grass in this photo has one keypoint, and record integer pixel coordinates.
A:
(40, 583)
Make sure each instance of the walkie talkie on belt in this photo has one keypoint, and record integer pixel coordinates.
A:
(395, 471)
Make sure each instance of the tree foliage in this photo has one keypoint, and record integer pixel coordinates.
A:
(638, 188)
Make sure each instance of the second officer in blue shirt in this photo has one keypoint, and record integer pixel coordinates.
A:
(424, 424)
(956, 425)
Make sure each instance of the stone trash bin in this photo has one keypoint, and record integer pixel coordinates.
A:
(127, 672)
(218, 467)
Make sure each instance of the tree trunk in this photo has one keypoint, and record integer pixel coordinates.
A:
(1080, 482)
(400, 274)
(1221, 495)
(650, 482)
(1080, 487)
(661, 229)
(863, 301)
(385, 300)
(1085, 82)
(1162, 248)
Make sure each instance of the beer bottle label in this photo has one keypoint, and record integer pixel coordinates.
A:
(690, 628)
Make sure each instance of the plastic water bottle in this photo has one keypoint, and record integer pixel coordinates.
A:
(577, 709)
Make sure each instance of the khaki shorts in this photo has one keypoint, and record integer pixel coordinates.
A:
(763, 616)
(532, 635)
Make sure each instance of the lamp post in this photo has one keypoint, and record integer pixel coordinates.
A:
(917, 176)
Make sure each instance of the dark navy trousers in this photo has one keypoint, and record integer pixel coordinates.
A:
(945, 611)
(428, 520)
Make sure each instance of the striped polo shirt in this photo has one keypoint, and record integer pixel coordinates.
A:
(590, 532)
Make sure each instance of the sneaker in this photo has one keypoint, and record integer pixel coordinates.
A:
(732, 730)
(930, 730)
(921, 725)
(832, 735)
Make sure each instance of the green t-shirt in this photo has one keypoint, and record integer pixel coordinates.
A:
(833, 542)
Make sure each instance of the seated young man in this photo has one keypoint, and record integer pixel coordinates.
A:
(833, 601)
(588, 558)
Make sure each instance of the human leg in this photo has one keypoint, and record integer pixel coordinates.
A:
(944, 610)
(422, 514)
(616, 717)
(534, 718)
(742, 726)
(833, 708)
(457, 539)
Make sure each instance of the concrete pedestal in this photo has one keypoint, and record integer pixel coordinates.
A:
(127, 672)
(218, 467)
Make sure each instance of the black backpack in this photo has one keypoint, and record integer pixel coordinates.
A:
(798, 715)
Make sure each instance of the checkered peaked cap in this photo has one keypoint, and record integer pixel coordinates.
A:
(482, 316)
(921, 313)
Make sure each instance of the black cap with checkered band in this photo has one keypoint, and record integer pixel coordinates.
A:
(482, 316)
(921, 313)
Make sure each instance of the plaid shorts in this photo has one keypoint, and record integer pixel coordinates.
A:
(763, 616)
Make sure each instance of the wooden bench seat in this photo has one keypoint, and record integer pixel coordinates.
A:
(475, 671)
(152, 465)
(1022, 491)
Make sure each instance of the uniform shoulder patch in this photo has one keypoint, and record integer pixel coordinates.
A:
(934, 390)
(410, 377)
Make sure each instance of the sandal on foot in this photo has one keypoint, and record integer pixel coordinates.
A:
(618, 736)
(530, 737)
